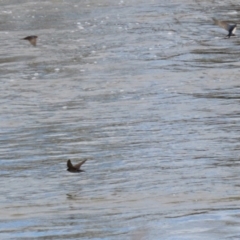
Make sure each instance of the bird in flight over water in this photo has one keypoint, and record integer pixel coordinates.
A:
(231, 28)
(75, 168)
(31, 39)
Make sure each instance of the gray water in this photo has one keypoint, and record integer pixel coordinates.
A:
(148, 91)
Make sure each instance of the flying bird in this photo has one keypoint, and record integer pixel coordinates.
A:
(231, 28)
(31, 39)
(75, 168)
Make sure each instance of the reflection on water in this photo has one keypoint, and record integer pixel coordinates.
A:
(148, 92)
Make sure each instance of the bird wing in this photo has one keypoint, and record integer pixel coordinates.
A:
(33, 41)
(78, 166)
(221, 24)
(69, 164)
(226, 25)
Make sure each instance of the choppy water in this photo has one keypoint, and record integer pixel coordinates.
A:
(148, 91)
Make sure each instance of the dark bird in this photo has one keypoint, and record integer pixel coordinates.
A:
(31, 39)
(75, 168)
(231, 28)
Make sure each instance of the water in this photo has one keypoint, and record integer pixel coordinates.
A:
(148, 91)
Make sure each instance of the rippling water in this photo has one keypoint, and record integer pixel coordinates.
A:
(148, 91)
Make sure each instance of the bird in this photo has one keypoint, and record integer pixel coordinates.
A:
(32, 39)
(231, 28)
(75, 168)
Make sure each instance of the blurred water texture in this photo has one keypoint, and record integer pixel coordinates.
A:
(148, 91)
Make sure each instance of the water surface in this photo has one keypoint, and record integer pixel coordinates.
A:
(148, 91)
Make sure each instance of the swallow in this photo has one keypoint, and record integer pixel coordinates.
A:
(75, 168)
(31, 39)
(231, 28)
